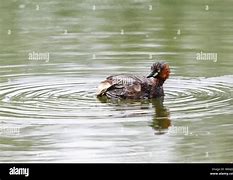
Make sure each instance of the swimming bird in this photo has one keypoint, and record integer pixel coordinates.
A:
(127, 86)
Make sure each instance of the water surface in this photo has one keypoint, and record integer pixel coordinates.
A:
(48, 108)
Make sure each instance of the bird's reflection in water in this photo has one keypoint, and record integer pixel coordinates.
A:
(160, 116)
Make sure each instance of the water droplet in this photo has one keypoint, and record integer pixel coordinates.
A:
(150, 56)
(7, 99)
(37, 7)
(122, 32)
(22, 6)
(178, 32)
(150, 7)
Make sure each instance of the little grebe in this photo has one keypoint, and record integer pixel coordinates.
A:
(125, 86)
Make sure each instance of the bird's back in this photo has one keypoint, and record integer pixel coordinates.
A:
(123, 86)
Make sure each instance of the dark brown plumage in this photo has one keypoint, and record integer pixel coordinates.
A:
(126, 86)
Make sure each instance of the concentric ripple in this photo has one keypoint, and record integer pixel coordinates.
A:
(62, 112)
(45, 97)
(72, 98)
(200, 97)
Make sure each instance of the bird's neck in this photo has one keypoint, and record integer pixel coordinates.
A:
(158, 81)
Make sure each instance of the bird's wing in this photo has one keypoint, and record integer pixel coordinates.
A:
(124, 80)
(130, 82)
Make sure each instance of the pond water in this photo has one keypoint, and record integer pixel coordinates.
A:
(48, 108)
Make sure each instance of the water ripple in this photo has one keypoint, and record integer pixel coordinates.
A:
(71, 98)
(200, 97)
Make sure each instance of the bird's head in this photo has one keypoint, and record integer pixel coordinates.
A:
(160, 70)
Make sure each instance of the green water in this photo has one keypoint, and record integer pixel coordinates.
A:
(48, 108)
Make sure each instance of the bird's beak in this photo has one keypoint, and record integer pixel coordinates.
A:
(153, 74)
